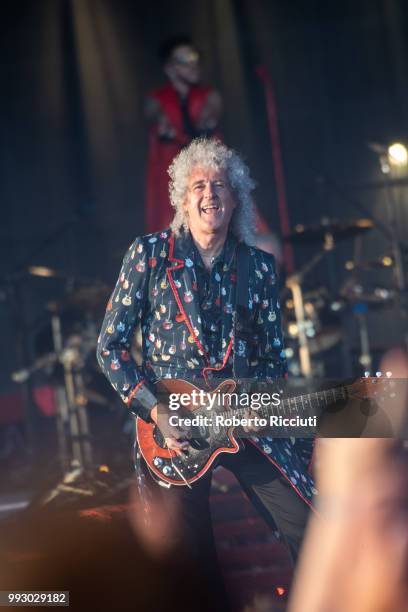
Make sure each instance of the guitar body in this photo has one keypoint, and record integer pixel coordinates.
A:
(209, 443)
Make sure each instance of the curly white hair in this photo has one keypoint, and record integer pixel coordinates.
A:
(211, 153)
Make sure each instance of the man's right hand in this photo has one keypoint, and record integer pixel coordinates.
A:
(174, 437)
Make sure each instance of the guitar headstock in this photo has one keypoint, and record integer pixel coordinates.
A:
(376, 388)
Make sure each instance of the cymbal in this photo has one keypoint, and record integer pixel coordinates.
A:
(385, 261)
(337, 230)
(372, 296)
(325, 339)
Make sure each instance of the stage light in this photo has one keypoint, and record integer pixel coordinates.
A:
(280, 591)
(104, 468)
(292, 329)
(81, 399)
(41, 271)
(387, 261)
(397, 154)
(382, 293)
(364, 223)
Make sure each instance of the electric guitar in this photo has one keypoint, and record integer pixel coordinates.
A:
(209, 440)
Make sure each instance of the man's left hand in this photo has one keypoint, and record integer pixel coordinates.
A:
(251, 427)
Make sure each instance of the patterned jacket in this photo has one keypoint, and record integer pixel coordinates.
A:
(157, 288)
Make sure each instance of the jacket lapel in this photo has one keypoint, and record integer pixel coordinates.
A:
(183, 284)
(228, 290)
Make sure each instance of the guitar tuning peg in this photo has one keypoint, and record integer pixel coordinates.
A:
(378, 374)
(366, 374)
(388, 374)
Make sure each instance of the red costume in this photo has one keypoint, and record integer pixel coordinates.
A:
(159, 212)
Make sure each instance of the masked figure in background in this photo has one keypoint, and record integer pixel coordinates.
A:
(178, 112)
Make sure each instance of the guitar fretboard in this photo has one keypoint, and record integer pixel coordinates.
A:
(309, 404)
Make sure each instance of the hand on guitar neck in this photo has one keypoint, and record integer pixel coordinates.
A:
(174, 437)
(250, 414)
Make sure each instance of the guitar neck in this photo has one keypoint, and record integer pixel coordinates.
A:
(314, 402)
(302, 405)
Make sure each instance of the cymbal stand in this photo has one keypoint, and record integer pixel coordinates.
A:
(393, 223)
(72, 414)
(360, 312)
(396, 246)
(304, 353)
(62, 404)
(294, 284)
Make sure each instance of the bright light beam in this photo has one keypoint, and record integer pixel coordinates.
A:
(398, 154)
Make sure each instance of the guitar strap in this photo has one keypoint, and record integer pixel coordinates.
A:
(243, 331)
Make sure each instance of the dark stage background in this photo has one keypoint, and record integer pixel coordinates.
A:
(73, 75)
(73, 147)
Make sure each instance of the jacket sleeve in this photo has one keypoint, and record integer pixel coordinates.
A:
(123, 313)
(267, 316)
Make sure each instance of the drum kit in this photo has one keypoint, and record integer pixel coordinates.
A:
(312, 317)
(87, 466)
(65, 348)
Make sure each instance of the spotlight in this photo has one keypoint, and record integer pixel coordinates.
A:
(397, 154)
(292, 329)
(41, 271)
(386, 261)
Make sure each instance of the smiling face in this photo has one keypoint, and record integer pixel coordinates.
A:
(209, 201)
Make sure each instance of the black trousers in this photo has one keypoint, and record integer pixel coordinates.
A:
(267, 489)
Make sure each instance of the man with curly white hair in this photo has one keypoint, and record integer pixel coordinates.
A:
(181, 286)
(230, 182)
